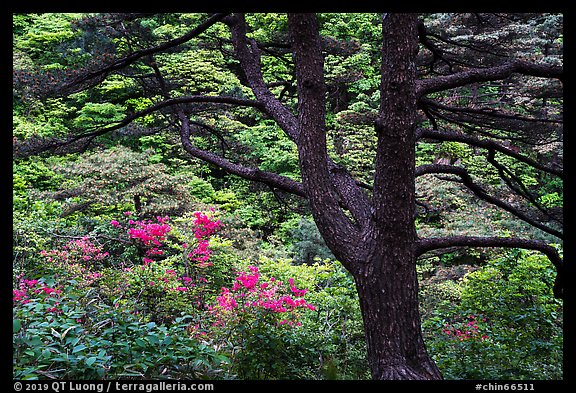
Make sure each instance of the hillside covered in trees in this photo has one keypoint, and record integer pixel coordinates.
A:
(288, 196)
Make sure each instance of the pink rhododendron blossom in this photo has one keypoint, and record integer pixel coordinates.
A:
(250, 294)
(465, 331)
(34, 287)
(151, 234)
(204, 227)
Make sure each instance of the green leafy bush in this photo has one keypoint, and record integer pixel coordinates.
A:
(72, 337)
(520, 333)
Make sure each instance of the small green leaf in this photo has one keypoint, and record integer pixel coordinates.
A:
(90, 361)
(79, 348)
(139, 342)
(16, 325)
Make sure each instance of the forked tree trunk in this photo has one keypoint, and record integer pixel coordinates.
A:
(378, 246)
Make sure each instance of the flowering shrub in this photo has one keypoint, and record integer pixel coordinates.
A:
(155, 291)
(251, 295)
(204, 228)
(508, 325)
(76, 251)
(256, 318)
(151, 236)
(172, 276)
(28, 289)
(114, 309)
(76, 260)
(90, 340)
(147, 234)
(465, 330)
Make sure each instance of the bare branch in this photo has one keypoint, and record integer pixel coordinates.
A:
(482, 194)
(428, 244)
(517, 185)
(441, 83)
(452, 136)
(274, 180)
(86, 138)
(248, 54)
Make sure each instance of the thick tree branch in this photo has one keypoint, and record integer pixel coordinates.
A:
(394, 193)
(272, 179)
(452, 136)
(248, 54)
(428, 244)
(482, 194)
(123, 62)
(463, 78)
(352, 197)
(337, 229)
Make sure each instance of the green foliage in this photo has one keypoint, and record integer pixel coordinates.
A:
(42, 119)
(34, 173)
(87, 341)
(522, 326)
(307, 244)
(552, 199)
(203, 70)
(98, 114)
(42, 34)
(270, 148)
(119, 176)
(121, 318)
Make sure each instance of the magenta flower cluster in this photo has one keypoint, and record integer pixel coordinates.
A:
(250, 293)
(465, 331)
(27, 288)
(250, 296)
(78, 250)
(152, 235)
(74, 258)
(204, 228)
(148, 232)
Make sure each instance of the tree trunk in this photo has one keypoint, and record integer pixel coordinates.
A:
(378, 246)
(388, 292)
(386, 282)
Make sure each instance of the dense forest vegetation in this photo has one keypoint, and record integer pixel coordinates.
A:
(271, 196)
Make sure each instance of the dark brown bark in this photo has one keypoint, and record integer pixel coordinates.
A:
(388, 293)
(387, 283)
